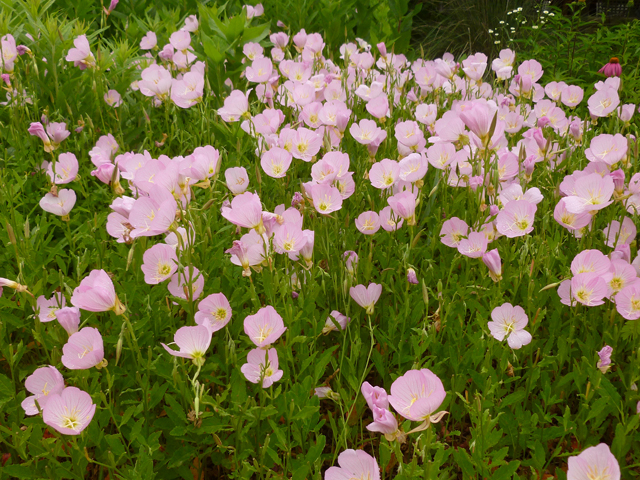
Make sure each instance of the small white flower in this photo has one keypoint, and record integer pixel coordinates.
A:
(497, 42)
(535, 27)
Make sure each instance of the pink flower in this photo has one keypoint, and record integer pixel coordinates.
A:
(612, 69)
(326, 199)
(65, 170)
(193, 343)
(276, 162)
(236, 106)
(149, 217)
(383, 422)
(617, 234)
(69, 412)
(246, 254)
(572, 96)
(571, 221)
(354, 464)
(159, 263)
(384, 174)
(368, 223)
(594, 463)
(413, 167)
(389, 221)
(592, 193)
(417, 394)
(46, 309)
(69, 318)
(509, 321)
(43, 383)
(264, 327)
(628, 302)
(335, 317)
(474, 66)
(149, 41)
(156, 82)
(245, 211)
(214, 312)
(179, 284)
(59, 205)
(592, 261)
(366, 131)
(97, 294)
(306, 144)
(603, 102)
(260, 70)
(289, 239)
(589, 289)
(262, 365)
(609, 149)
(453, 231)
(81, 55)
(375, 396)
(516, 218)
(188, 91)
(378, 107)
(83, 350)
(36, 129)
(366, 297)
(604, 363)
(237, 179)
(492, 260)
(113, 98)
(474, 246)
(411, 276)
(404, 205)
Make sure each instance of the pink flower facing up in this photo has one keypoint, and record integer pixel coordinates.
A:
(149, 41)
(354, 464)
(389, 221)
(603, 102)
(262, 365)
(493, 262)
(214, 312)
(264, 327)
(326, 199)
(516, 218)
(84, 350)
(404, 205)
(245, 211)
(509, 321)
(335, 317)
(43, 383)
(608, 149)
(69, 412)
(366, 297)
(617, 234)
(60, 204)
(113, 98)
(81, 55)
(604, 362)
(97, 294)
(237, 179)
(193, 343)
(453, 231)
(628, 302)
(416, 395)
(46, 309)
(159, 263)
(69, 318)
(289, 239)
(179, 284)
(65, 170)
(276, 162)
(474, 246)
(368, 223)
(589, 289)
(594, 463)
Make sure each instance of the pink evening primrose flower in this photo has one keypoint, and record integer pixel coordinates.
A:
(389, 220)
(42, 383)
(113, 98)
(214, 312)
(276, 162)
(179, 284)
(326, 199)
(404, 205)
(592, 193)
(516, 218)
(366, 297)
(384, 174)
(453, 231)
(193, 343)
(335, 317)
(60, 204)
(509, 321)
(262, 365)
(237, 179)
(149, 41)
(354, 464)
(65, 170)
(97, 294)
(289, 239)
(628, 302)
(81, 55)
(69, 319)
(605, 148)
(368, 223)
(83, 350)
(264, 327)
(493, 262)
(417, 394)
(245, 211)
(159, 263)
(69, 412)
(594, 463)
(589, 289)
(604, 362)
(474, 246)
(617, 234)
(603, 102)
(46, 309)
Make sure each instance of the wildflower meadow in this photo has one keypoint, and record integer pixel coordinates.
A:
(237, 247)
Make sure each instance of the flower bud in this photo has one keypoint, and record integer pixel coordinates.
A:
(492, 260)
(411, 276)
